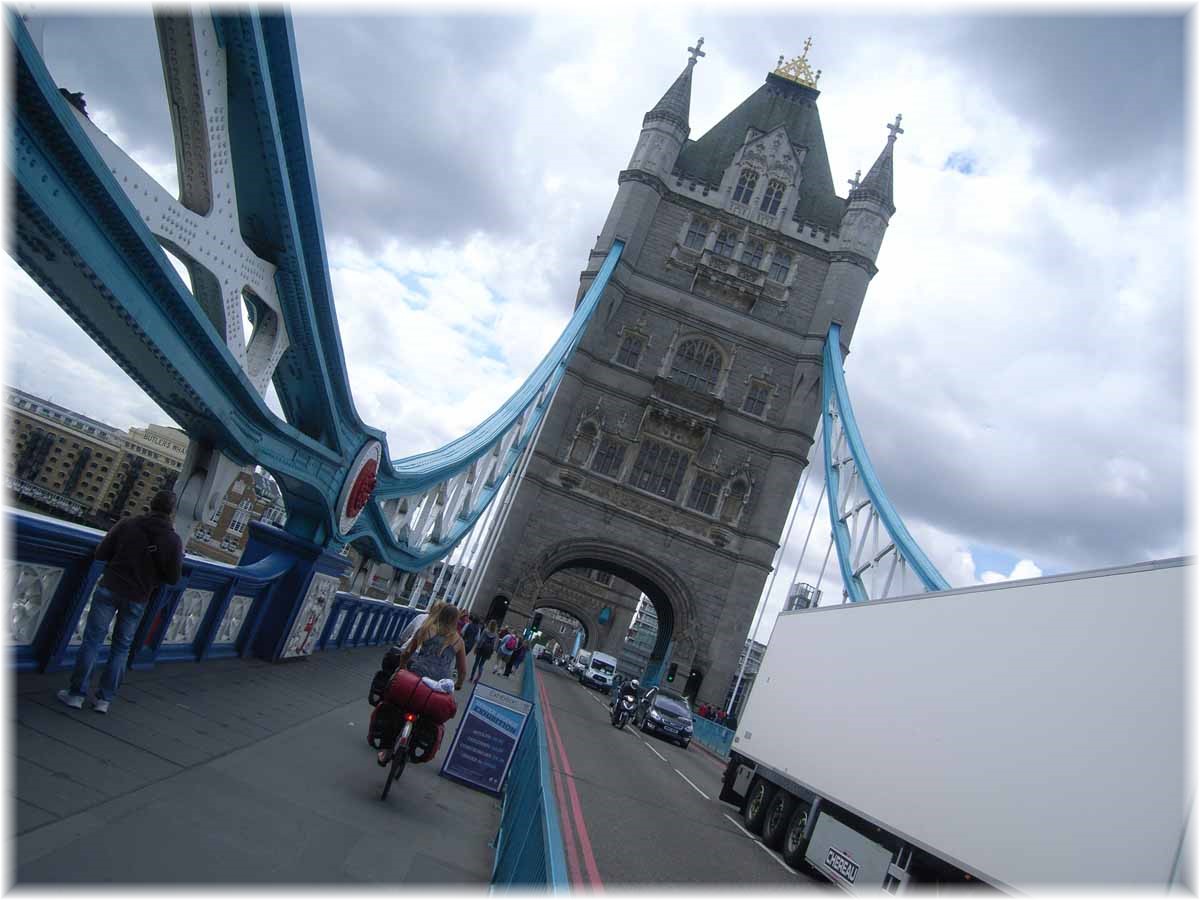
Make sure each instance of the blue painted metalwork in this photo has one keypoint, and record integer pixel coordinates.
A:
(716, 738)
(42, 542)
(529, 845)
(834, 389)
(418, 473)
(655, 668)
(82, 240)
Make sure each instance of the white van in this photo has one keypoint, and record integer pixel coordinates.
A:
(599, 672)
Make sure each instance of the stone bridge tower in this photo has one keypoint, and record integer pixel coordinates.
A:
(681, 429)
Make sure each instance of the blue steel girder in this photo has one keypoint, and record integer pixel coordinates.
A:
(281, 221)
(840, 434)
(82, 240)
(99, 254)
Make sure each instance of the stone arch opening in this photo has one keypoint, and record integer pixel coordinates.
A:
(665, 590)
(568, 609)
(498, 609)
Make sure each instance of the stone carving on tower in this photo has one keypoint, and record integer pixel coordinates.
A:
(674, 446)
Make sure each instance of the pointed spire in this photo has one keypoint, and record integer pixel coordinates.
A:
(878, 183)
(676, 103)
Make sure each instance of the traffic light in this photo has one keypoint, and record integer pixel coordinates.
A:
(671, 672)
(536, 624)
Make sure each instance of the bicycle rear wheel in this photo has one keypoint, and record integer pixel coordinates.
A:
(399, 758)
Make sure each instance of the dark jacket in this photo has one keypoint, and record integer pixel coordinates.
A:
(485, 644)
(470, 635)
(142, 552)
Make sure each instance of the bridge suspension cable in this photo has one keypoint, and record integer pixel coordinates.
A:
(857, 502)
(797, 502)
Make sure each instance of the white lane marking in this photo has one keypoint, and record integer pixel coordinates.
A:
(689, 781)
(655, 752)
(757, 843)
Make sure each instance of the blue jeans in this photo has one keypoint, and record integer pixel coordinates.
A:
(104, 607)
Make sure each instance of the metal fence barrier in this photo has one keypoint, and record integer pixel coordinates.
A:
(707, 733)
(213, 612)
(529, 846)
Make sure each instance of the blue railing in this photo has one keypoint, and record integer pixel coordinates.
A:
(708, 733)
(215, 610)
(529, 846)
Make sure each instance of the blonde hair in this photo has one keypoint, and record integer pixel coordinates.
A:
(442, 621)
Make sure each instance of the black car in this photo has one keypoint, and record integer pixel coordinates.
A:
(666, 714)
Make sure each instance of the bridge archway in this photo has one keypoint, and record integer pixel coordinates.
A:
(579, 615)
(665, 589)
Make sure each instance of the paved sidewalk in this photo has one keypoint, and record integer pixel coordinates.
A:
(235, 771)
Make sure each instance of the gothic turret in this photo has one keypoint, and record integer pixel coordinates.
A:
(877, 186)
(665, 128)
(869, 209)
(642, 184)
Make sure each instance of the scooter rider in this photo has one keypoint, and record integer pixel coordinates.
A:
(630, 688)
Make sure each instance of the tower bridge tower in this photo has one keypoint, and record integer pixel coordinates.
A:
(679, 434)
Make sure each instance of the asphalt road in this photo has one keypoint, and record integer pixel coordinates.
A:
(638, 810)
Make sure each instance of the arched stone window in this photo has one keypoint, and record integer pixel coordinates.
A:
(781, 265)
(726, 241)
(658, 469)
(745, 186)
(585, 439)
(753, 254)
(697, 234)
(735, 501)
(697, 365)
(703, 495)
(630, 351)
(609, 457)
(774, 193)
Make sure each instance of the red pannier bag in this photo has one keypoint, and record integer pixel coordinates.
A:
(410, 694)
(407, 693)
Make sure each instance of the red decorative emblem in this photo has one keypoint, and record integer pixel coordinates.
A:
(364, 484)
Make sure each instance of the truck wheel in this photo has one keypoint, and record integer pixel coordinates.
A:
(758, 801)
(794, 843)
(779, 814)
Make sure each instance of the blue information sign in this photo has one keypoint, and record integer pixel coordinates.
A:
(486, 739)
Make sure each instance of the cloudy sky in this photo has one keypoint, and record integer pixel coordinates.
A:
(1019, 369)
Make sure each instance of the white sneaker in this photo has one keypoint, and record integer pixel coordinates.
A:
(72, 700)
(100, 706)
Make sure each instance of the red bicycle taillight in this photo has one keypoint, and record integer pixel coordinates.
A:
(410, 717)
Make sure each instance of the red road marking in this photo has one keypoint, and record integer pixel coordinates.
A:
(585, 843)
(574, 871)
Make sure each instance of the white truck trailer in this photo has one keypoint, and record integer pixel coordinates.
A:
(1023, 735)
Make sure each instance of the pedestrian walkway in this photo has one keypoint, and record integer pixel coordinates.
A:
(235, 771)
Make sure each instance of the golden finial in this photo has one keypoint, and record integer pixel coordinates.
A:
(798, 70)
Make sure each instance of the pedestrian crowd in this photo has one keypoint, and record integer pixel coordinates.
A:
(716, 714)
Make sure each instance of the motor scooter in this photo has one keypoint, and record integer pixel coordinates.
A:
(622, 710)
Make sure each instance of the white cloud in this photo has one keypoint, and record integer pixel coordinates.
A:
(1025, 568)
(1018, 366)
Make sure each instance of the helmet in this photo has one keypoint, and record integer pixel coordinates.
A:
(633, 683)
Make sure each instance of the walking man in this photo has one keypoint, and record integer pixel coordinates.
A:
(141, 553)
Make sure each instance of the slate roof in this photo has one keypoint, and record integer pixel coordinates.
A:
(676, 103)
(778, 102)
(878, 183)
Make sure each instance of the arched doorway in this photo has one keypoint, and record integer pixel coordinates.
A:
(665, 590)
(497, 610)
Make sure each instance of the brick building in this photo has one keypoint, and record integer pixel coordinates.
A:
(68, 465)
